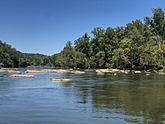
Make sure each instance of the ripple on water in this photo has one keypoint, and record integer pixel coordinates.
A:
(92, 99)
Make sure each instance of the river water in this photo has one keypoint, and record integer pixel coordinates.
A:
(92, 99)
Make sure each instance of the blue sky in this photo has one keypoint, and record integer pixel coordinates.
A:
(44, 26)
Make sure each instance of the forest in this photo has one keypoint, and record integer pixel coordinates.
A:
(138, 45)
(11, 58)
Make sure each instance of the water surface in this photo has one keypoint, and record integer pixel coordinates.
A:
(93, 99)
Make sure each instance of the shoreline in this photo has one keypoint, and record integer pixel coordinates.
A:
(83, 71)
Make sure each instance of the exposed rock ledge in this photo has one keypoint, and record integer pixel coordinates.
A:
(22, 75)
(65, 80)
(102, 71)
(10, 70)
(56, 71)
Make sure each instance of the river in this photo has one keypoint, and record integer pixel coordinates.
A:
(93, 99)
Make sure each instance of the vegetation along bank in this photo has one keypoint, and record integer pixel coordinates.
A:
(139, 45)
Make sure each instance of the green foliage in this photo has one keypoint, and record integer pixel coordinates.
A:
(9, 57)
(138, 45)
(122, 54)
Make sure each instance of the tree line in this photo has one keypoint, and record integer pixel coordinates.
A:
(11, 58)
(138, 45)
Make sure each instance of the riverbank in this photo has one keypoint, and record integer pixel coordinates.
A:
(73, 71)
(116, 71)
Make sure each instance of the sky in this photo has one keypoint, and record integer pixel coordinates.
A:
(44, 26)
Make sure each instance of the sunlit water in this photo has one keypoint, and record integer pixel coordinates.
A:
(93, 99)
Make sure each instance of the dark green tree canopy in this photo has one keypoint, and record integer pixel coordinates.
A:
(138, 45)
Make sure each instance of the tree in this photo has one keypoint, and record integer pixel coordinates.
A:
(67, 56)
(121, 56)
(82, 47)
(97, 45)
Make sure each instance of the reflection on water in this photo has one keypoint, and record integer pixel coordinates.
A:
(93, 99)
